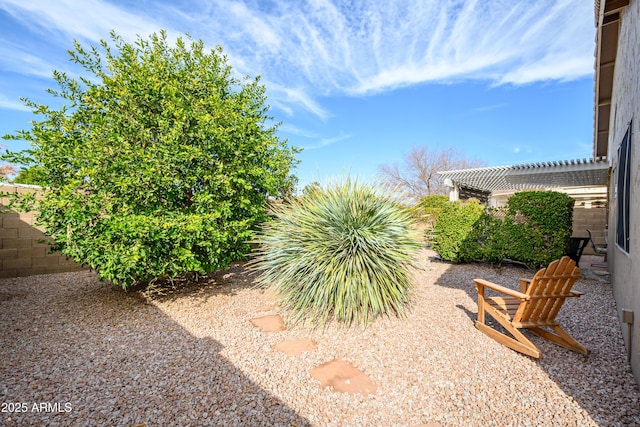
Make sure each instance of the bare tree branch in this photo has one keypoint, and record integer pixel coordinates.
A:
(418, 174)
(6, 169)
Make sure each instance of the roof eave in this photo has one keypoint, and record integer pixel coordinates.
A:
(608, 21)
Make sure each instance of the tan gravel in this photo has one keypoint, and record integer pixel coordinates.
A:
(75, 351)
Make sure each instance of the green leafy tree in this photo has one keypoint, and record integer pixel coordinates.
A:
(159, 162)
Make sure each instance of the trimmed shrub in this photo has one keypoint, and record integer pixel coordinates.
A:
(545, 234)
(534, 228)
(338, 253)
(427, 211)
(454, 225)
(428, 208)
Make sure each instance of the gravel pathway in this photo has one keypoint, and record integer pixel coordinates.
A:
(77, 352)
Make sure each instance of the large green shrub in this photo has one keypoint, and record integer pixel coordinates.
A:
(455, 223)
(549, 209)
(339, 253)
(426, 211)
(534, 228)
(542, 225)
(160, 163)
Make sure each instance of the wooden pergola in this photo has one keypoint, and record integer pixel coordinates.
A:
(480, 182)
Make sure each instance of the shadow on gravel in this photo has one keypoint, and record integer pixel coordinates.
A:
(75, 351)
(228, 282)
(601, 383)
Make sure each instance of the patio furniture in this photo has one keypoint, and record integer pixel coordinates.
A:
(576, 246)
(534, 307)
(599, 249)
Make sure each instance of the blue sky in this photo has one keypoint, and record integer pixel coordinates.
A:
(356, 83)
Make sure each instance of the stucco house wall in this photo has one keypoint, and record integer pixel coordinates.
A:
(625, 110)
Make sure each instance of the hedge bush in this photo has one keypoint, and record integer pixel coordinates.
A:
(534, 228)
(455, 222)
(429, 207)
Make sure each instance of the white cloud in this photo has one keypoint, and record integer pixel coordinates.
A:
(323, 142)
(85, 19)
(312, 48)
(298, 97)
(486, 108)
(8, 104)
(322, 47)
(15, 59)
(294, 130)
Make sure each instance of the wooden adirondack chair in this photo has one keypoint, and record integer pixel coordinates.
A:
(535, 306)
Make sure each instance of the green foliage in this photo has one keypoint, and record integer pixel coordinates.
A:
(311, 188)
(454, 225)
(534, 229)
(549, 209)
(544, 235)
(339, 253)
(483, 241)
(160, 162)
(428, 208)
(33, 175)
(436, 201)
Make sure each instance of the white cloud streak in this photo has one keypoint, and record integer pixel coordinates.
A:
(83, 19)
(8, 104)
(331, 47)
(15, 59)
(323, 142)
(313, 48)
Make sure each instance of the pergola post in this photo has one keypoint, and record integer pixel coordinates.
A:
(454, 189)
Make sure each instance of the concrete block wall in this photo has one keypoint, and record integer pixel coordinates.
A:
(594, 219)
(21, 252)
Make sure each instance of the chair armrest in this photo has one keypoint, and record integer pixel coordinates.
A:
(481, 283)
(524, 284)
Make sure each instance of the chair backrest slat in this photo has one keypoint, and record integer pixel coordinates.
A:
(548, 290)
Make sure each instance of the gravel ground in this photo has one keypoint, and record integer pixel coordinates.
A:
(77, 352)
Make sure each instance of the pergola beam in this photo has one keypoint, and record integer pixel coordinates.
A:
(565, 173)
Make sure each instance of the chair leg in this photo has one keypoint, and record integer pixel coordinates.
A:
(562, 338)
(520, 343)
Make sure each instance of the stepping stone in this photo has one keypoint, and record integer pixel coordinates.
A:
(273, 323)
(343, 377)
(296, 347)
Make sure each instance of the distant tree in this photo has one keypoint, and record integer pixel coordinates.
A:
(32, 175)
(418, 174)
(160, 163)
(6, 169)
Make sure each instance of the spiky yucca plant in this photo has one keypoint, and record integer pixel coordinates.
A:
(339, 252)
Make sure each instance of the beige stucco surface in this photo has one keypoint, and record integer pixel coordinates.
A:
(625, 267)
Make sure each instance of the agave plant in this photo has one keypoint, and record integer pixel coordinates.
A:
(340, 253)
